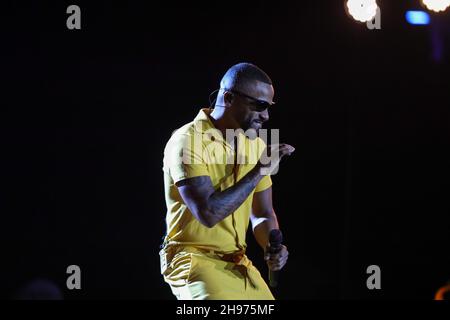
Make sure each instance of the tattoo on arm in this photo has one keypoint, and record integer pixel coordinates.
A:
(226, 202)
(211, 207)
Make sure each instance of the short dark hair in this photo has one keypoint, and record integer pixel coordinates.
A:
(240, 74)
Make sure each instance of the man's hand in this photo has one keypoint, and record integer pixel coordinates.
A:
(271, 157)
(276, 261)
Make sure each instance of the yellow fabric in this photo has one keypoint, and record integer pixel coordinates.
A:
(206, 160)
(195, 275)
(198, 149)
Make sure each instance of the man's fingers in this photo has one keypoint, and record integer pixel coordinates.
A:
(277, 261)
(276, 267)
(286, 150)
(282, 146)
(273, 155)
(283, 253)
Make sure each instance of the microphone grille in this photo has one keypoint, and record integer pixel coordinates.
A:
(275, 238)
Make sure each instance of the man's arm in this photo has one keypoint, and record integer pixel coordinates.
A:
(264, 219)
(209, 206)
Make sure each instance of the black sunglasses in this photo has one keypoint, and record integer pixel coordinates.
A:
(260, 105)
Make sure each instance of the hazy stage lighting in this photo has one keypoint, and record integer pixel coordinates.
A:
(416, 17)
(436, 5)
(362, 10)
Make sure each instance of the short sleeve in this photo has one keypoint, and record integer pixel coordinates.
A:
(265, 183)
(183, 158)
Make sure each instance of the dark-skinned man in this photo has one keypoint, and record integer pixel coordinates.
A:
(215, 186)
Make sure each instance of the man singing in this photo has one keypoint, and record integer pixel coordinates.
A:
(215, 186)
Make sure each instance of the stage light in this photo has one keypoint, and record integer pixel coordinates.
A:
(362, 10)
(436, 5)
(417, 17)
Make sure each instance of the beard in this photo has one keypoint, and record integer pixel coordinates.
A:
(251, 129)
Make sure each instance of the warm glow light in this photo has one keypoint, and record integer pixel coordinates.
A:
(436, 5)
(362, 10)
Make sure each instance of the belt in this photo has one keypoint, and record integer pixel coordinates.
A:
(239, 258)
(235, 257)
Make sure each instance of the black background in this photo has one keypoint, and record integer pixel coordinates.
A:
(85, 115)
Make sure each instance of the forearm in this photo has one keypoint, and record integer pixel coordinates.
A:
(222, 203)
(262, 230)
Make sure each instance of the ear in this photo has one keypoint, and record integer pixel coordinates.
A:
(227, 99)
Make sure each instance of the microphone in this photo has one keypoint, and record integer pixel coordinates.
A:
(275, 240)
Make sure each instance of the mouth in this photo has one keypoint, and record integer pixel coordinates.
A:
(258, 124)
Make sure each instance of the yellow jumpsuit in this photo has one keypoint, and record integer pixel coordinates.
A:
(196, 261)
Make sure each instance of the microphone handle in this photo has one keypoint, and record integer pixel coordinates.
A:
(273, 278)
(274, 275)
